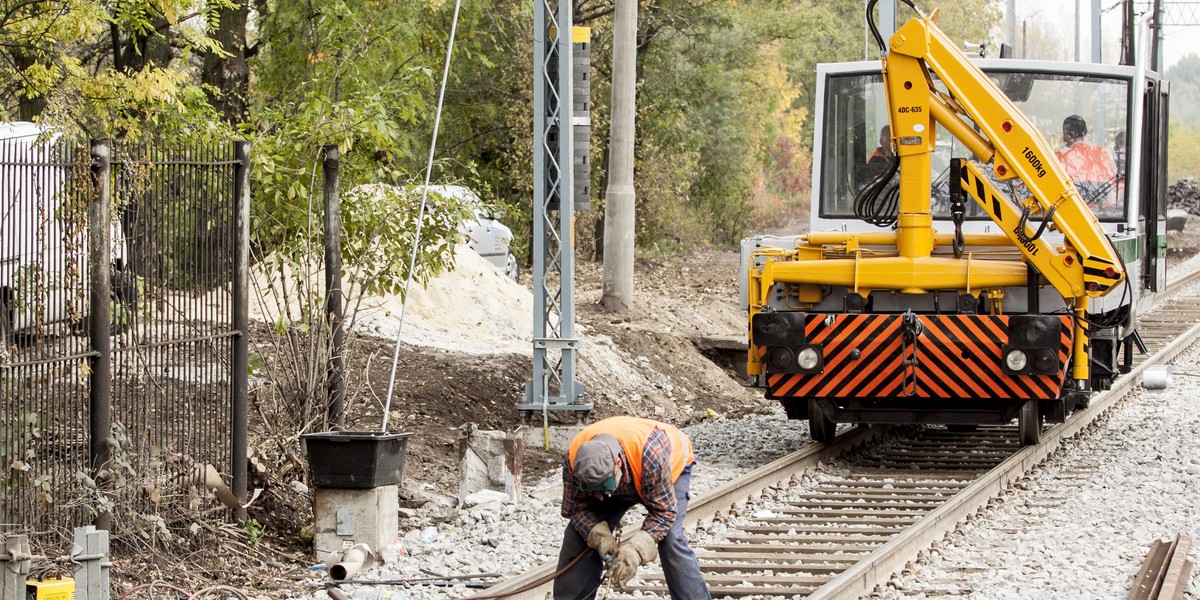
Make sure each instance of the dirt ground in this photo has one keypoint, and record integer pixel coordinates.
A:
(680, 301)
(657, 362)
(681, 304)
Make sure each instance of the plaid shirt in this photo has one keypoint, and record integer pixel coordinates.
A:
(584, 510)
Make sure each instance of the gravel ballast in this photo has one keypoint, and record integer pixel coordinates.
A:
(1081, 524)
(507, 538)
(1078, 527)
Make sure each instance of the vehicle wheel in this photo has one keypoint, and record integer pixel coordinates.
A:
(6, 334)
(124, 296)
(820, 427)
(512, 268)
(1029, 423)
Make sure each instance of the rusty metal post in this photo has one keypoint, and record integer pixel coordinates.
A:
(241, 322)
(99, 314)
(334, 310)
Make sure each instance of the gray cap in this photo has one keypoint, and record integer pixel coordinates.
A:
(594, 461)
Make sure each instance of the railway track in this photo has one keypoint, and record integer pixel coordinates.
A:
(797, 528)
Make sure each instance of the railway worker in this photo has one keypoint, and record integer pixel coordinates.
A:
(1090, 167)
(878, 162)
(612, 465)
(883, 153)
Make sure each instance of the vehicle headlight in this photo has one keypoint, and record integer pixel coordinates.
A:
(1044, 361)
(779, 358)
(1016, 360)
(808, 358)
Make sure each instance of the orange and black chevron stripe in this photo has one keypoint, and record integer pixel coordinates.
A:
(953, 357)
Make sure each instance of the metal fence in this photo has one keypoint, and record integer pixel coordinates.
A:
(123, 319)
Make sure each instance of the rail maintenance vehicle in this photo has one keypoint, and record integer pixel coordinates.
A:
(971, 277)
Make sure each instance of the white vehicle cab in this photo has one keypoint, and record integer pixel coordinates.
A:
(486, 235)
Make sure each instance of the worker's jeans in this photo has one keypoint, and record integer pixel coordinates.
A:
(679, 563)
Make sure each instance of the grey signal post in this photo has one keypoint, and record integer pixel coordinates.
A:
(560, 136)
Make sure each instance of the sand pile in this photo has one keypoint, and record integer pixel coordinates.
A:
(473, 308)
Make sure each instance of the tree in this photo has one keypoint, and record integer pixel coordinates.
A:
(125, 80)
(1185, 88)
(226, 73)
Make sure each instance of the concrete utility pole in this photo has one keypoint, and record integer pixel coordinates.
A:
(1077, 30)
(1156, 37)
(1010, 23)
(1096, 38)
(619, 197)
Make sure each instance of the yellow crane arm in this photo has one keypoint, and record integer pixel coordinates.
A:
(997, 132)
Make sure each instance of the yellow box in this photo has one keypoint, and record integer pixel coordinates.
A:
(50, 588)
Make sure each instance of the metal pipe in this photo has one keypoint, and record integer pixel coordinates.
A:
(334, 311)
(239, 438)
(920, 275)
(352, 562)
(888, 238)
(100, 317)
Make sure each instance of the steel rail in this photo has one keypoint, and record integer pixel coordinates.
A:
(723, 497)
(890, 557)
(893, 555)
(1165, 571)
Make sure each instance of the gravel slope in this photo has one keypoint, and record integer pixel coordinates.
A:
(1078, 527)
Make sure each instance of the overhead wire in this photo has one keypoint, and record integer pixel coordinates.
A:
(412, 263)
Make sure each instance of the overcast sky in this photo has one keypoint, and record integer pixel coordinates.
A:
(1058, 16)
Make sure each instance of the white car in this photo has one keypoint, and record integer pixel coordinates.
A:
(43, 259)
(486, 235)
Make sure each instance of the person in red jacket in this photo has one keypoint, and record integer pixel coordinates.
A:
(612, 465)
(1090, 167)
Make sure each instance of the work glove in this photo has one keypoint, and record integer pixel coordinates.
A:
(634, 552)
(602, 540)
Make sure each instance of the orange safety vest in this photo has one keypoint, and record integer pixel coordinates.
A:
(877, 154)
(1087, 163)
(632, 433)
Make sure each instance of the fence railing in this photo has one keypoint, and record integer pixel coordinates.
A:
(123, 326)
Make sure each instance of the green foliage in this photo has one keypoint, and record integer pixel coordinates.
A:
(20, 430)
(1184, 136)
(817, 31)
(1183, 151)
(1185, 91)
(358, 77)
(389, 215)
(486, 133)
(724, 96)
(80, 85)
(725, 93)
(253, 530)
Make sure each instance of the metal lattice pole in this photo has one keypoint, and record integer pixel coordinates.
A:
(553, 385)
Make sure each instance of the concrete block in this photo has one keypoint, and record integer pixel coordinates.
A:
(491, 460)
(345, 517)
(1176, 219)
(560, 436)
(485, 497)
